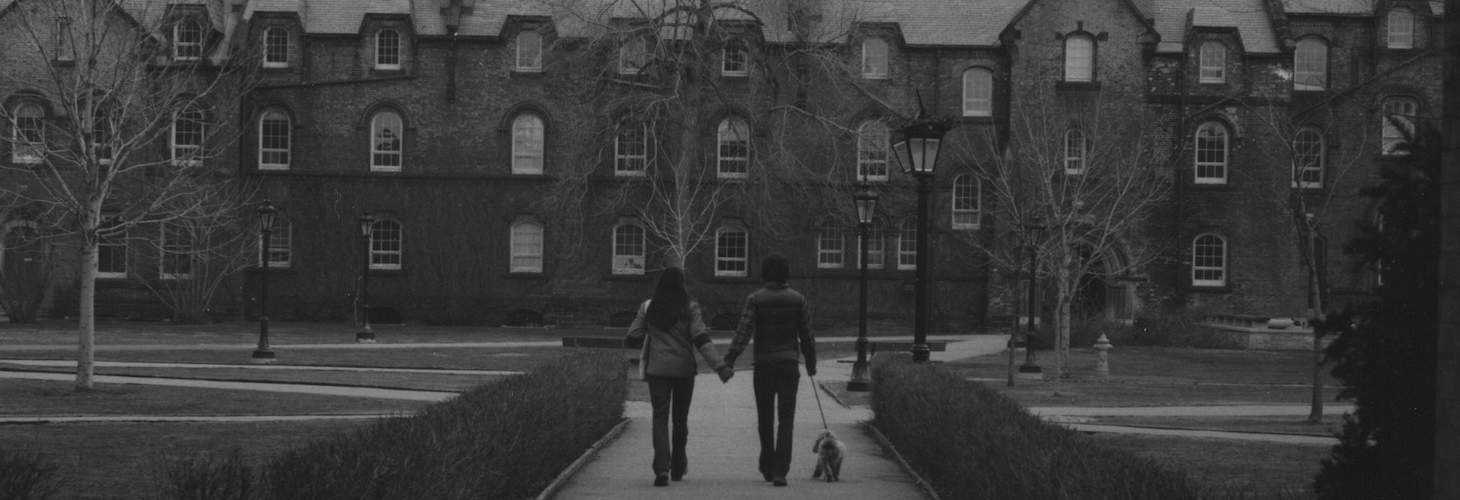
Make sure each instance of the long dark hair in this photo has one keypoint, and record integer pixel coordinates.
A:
(671, 300)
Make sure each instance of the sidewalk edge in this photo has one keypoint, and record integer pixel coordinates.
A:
(923, 485)
(572, 469)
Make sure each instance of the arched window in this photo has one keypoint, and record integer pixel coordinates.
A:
(1209, 261)
(279, 248)
(966, 202)
(1076, 149)
(1401, 29)
(1079, 58)
(1399, 114)
(527, 144)
(529, 51)
(526, 244)
(274, 129)
(874, 58)
(1213, 62)
(733, 148)
(1211, 153)
(386, 141)
(387, 49)
(187, 41)
(628, 248)
(385, 244)
(872, 144)
(1308, 158)
(276, 47)
(732, 251)
(1310, 64)
(631, 149)
(28, 133)
(830, 247)
(907, 246)
(734, 59)
(875, 251)
(176, 245)
(978, 92)
(187, 136)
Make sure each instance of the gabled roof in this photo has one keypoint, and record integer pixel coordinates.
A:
(1248, 17)
(944, 22)
(1329, 7)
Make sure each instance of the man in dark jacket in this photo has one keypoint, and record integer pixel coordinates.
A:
(779, 320)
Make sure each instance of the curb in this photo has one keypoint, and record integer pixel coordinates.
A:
(572, 469)
(906, 467)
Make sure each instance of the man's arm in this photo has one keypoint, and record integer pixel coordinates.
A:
(744, 331)
(808, 339)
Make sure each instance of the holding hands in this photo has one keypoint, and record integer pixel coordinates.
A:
(725, 372)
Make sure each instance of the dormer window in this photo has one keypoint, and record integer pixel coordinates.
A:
(632, 56)
(529, 52)
(1310, 64)
(187, 41)
(1079, 58)
(1401, 29)
(874, 58)
(735, 61)
(276, 47)
(1213, 63)
(387, 49)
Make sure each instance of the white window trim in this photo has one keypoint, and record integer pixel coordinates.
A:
(284, 231)
(1320, 73)
(162, 260)
(978, 105)
(178, 43)
(532, 66)
(1405, 39)
(907, 236)
(399, 153)
(288, 139)
(1212, 71)
(865, 165)
(1197, 178)
(725, 58)
(521, 155)
(1223, 268)
(1078, 69)
(976, 211)
(620, 157)
(1298, 169)
(513, 246)
(400, 254)
(876, 249)
(720, 142)
(825, 235)
(639, 258)
(1083, 159)
(268, 63)
(744, 260)
(120, 242)
(397, 49)
(22, 150)
(869, 70)
(174, 147)
(1389, 142)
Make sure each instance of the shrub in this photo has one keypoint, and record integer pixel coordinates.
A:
(27, 476)
(969, 441)
(209, 477)
(507, 439)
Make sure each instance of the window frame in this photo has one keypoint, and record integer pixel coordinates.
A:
(1197, 149)
(172, 254)
(1406, 39)
(735, 51)
(381, 256)
(726, 138)
(65, 43)
(280, 247)
(377, 152)
(872, 68)
(978, 100)
(623, 151)
(534, 43)
(831, 247)
(529, 144)
(1212, 62)
(622, 261)
(633, 55)
(725, 264)
(907, 246)
(868, 161)
(1310, 57)
(1080, 160)
(876, 248)
(1309, 155)
(189, 115)
(1221, 256)
(264, 137)
(1079, 68)
(113, 243)
(190, 45)
(1390, 137)
(274, 46)
(521, 247)
(28, 133)
(388, 56)
(961, 194)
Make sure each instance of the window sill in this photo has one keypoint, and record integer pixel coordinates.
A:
(528, 72)
(734, 76)
(1076, 86)
(977, 120)
(524, 275)
(397, 71)
(273, 168)
(1200, 186)
(274, 69)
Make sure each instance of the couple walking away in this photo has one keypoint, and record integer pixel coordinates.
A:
(775, 317)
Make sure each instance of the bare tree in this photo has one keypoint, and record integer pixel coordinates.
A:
(1076, 180)
(116, 121)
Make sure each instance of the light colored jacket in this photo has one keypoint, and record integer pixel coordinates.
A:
(671, 353)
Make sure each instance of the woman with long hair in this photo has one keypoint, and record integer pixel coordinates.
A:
(672, 330)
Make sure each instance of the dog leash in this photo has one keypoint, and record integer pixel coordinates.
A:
(816, 390)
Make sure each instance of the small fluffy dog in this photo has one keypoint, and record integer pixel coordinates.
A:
(829, 452)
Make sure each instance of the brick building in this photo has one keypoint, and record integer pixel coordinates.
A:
(488, 139)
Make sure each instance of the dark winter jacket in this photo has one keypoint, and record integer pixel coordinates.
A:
(778, 319)
(671, 353)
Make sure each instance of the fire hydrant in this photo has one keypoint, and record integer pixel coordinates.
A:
(1102, 363)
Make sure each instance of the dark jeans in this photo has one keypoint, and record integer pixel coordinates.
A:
(666, 394)
(775, 400)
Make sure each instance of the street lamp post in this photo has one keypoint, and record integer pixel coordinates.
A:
(266, 212)
(866, 201)
(1032, 232)
(365, 335)
(917, 153)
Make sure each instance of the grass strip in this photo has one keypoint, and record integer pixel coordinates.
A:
(971, 442)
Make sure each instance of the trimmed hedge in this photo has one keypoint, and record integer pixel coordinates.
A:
(507, 439)
(27, 476)
(969, 441)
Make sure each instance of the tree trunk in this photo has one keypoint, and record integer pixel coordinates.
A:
(1062, 301)
(1316, 283)
(86, 353)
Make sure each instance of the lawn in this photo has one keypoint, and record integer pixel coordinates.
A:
(1244, 469)
(456, 358)
(47, 398)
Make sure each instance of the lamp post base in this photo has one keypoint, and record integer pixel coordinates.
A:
(920, 352)
(263, 357)
(859, 381)
(1031, 372)
(365, 337)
